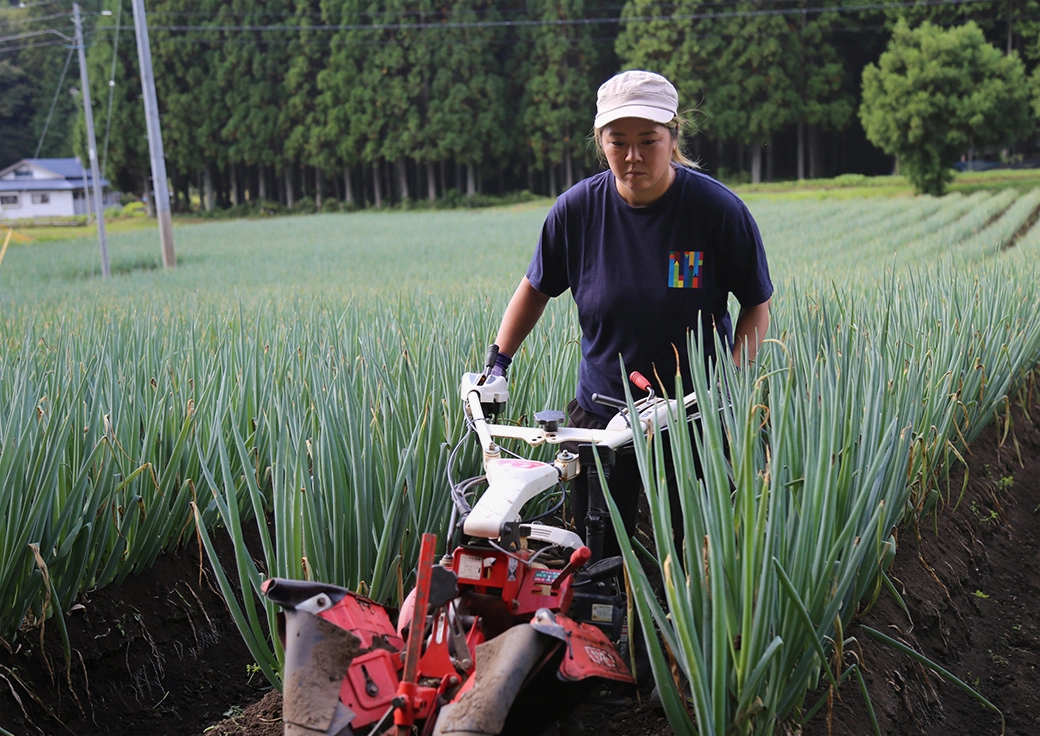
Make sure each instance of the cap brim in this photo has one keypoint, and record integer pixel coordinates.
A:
(656, 114)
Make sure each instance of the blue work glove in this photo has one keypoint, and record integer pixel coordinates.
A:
(502, 362)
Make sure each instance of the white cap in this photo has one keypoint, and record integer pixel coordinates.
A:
(636, 94)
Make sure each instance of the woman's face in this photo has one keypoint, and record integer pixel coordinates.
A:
(639, 153)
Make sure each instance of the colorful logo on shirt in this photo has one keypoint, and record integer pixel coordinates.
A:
(684, 269)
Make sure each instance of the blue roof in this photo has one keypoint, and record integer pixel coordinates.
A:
(74, 176)
(70, 168)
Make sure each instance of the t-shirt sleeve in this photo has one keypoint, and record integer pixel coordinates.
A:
(745, 256)
(548, 272)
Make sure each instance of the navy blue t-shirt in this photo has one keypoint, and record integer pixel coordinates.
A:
(642, 276)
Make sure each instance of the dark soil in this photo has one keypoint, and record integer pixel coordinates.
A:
(159, 655)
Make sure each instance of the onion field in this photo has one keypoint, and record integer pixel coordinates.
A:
(299, 376)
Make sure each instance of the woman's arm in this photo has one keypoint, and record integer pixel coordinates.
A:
(524, 310)
(750, 330)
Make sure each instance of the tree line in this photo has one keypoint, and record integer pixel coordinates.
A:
(377, 103)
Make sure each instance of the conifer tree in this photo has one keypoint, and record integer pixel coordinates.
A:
(467, 105)
(822, 82)
(396, 73)
(251, 72)
(300, 118)
(341, 97)
(559, 94)
(751, 93)
(191, 102)
(661, 37)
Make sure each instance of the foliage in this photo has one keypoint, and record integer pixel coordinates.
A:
(42, 116)
(407, 100)
(133, 209)
(752, 69)
(936, 94)
(300, 370)
(468, 93)
(15, 111)
(301, 118)
(558, 94)
(809, 460)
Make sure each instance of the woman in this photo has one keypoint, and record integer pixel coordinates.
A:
(650, 250)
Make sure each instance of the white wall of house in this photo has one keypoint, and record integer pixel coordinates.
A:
(26, 190)
(36, 204)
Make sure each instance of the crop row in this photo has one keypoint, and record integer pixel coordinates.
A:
(294, 383)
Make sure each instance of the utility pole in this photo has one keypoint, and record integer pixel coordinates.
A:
(88, 112)
(155, 145)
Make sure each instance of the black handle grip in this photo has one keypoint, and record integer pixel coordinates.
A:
(492, 356)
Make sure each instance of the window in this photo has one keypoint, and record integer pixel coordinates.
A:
(41, 199)
(9, 200)
(23, 173)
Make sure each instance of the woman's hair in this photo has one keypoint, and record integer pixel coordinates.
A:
(675, 126)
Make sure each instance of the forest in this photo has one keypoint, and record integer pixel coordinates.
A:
(349, 103)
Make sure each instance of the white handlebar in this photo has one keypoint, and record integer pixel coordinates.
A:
(511, 483)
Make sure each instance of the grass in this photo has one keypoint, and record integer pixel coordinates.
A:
(113, 226)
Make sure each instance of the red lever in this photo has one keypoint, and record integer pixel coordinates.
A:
(639, 380)
(578, 558)
(407, 688)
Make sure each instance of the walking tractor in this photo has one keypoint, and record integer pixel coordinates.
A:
(515, 622)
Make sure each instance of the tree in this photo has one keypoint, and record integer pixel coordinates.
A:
(558, 103)
(753, 94)
(738, 62)
(300, 119)
(251, 72)
(381, 94)
(677, 40)
(918, 12)
(1009, 25)
(42, 115)
(824, 101)
(660, 37)
(16, 139)
(191, 102)
(468, 100)
(341, 98)
(1022, 28)
(935, 94)
(1034, 88)
(398, 76)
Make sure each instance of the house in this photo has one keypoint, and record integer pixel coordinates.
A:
(48, 188)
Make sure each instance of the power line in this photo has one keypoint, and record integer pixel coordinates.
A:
(26, 47)
(534, 22)
(27, 21)
(54, 102)
(666, 11)
(111, 88)
(279, 28)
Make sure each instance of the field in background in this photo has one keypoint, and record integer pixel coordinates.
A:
(848, 186)
(305, 369)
